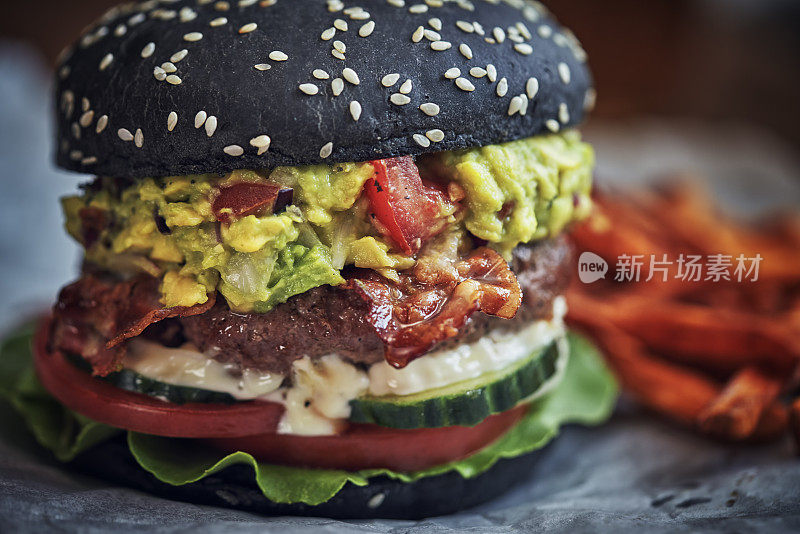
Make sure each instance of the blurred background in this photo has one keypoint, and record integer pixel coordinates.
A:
(720, 60)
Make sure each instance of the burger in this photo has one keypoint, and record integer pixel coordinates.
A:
(324, 251)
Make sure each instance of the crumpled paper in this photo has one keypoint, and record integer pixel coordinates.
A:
(636, 473)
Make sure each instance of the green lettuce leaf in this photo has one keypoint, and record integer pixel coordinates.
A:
(56, 428)
(586, 395)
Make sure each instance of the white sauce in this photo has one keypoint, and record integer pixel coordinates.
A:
(494, 351)
(318, 400)
(186, 366)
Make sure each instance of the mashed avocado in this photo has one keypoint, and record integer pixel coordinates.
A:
(524, 190)
(513, 193)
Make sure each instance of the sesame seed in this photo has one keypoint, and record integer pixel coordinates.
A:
(200, 119)
(76, 155)
(418, 34)
(247, 3)
(136, 19)
(125, 134)
(320, 74)
(64, 72)
(478, 28)
(326, 150)
(148, 50)
(160, 74)
(432, 35)
(477, 72)
(249, 27)
(211, 125)
(390, 79)
(179, 56)
(564, 73)
(532, 87)
(367, 29)
(399, 99)
(418, 8)
(172, 121)
(441, 45)
(169, 67)
(337, 86)
(106, 61)
(465, 26)
(406, 87)
(430, 109)
(187, 14)
(502, 87)
(233, 150)
(309, 88)
(262, 66)
(422, 141)
(464, 84)
(193, 37)
(563, 113)
(499, 34)
(76, 130)
(174, 80)
(219, 21)
(465, 50)
(138, 139)
(261, 142)
(355, 109)
(85, 104)
(524, 109)
(340, 25)
(86, 118)
(452, 73)
(435, 135)
(396, 3)
(351, 76)
(491, 72)
(328, 34)
(552, 125)
(589, 99)
(436, 23)
(277, 55)
(545, 31)
(91, 160)
(523, 48)
(514, 106)
(102, 122)
(337, 54)
(526, 33)
(222, 6)
(340, 46)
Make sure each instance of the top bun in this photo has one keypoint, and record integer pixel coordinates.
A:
(161, 88)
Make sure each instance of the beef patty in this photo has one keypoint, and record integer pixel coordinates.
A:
(330, 319)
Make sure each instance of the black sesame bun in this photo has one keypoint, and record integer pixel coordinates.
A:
(193, 86)
(383, 497)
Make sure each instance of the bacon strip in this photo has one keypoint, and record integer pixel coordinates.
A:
(433, 303)
(94, 316)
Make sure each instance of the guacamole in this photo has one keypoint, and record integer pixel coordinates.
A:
(512, 193)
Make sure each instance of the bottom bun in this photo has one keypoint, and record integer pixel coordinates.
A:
(383, 497)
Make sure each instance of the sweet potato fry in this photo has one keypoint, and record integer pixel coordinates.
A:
(736, 412)
(722, 340)
(671, 390)
(795, 421)
(773, 424)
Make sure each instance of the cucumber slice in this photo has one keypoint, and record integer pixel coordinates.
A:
(133, 381)
(464, 403)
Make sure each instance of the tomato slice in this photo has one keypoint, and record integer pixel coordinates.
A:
(105, 403)
(372, 446)
(407, 209)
